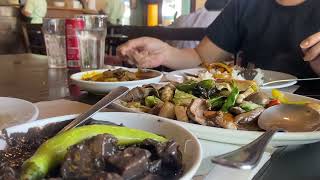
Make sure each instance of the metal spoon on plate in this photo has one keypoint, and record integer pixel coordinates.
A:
(284, 117)
(289, 80)
(104, 102)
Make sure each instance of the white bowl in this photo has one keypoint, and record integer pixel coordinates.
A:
(242, 137)
(189, 144)
(15, 111)
(105, 87)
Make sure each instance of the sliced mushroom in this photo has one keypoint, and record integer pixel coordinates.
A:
(211, 118)
(136, 94)
(249, 117)
(244, 95)
(196, 109)
(225, 120)
(260, 98)
(181, 113)
(156, 109)
(167, 110)
(236, 110)
(167, 92)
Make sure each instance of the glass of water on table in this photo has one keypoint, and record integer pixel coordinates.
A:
(92, 41)
(54, 35)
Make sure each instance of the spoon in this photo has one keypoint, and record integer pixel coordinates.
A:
(284, 117)
(290, 80)
(104, 102)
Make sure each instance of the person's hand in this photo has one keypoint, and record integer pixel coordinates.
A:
(145, 52)
(311, 49)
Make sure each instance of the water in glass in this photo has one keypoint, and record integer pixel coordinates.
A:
(56, 49)
(92, 48)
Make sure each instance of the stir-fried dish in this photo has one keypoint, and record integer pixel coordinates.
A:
(89, 152)
(223, 71)
(118, 75)
(230, 104)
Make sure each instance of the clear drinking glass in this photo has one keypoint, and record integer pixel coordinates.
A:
(92, 41)
(54, 36)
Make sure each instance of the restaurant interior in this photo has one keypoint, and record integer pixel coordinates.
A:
(159, 89)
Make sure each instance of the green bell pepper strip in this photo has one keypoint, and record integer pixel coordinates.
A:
(216, 102)
(207, 84)
(52, 152)
(231, 99)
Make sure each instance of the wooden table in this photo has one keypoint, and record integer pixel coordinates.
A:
(27, 76)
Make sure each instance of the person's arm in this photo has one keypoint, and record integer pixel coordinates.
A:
(205, 52)
(150, 52)
(28, 8)
(222, 40)
(311, 47)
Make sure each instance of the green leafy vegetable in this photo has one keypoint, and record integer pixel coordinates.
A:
(187, 87)
(216, 103)
(207, 84)
(182, 98)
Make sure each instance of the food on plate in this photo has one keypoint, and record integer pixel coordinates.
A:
(223, 71)
(118, 75)
(95, 151)
(231, 104)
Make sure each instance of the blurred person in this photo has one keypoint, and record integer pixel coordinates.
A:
(115, 11)
(201, 18)
(36, 10)
(279, 35)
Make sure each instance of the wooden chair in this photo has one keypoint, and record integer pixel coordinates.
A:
(33, 38)
(163, 33)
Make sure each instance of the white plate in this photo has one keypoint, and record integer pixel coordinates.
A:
(268, 76)
(16, 111)
(104, 87)
(241, 137)
(189, 144)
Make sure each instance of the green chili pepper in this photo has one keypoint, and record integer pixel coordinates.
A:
(231, 99)
(207, 84)
(52, 152)
(187, 87)
(216, 102)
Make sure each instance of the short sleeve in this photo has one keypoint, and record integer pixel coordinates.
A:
(29, 7)
(225, 30)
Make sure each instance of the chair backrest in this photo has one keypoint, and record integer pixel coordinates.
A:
(33, 37)
(163, 33)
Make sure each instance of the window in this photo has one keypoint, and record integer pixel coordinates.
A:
(170, 9)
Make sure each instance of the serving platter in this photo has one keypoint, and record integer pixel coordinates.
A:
(269, 76)
(105, 87)
(189, 144)
(241, 137)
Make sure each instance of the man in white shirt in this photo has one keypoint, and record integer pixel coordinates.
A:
(202, 17)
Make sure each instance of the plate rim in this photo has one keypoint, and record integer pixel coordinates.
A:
(75, 78)
(283, 85)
